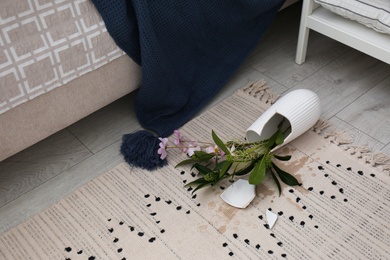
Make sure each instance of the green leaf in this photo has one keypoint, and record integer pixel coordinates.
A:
(202, 156)
(279, 137)
(276, 181)
(271, 141)
(201, 186)
(225, 168)
(201, 168)
(258, 173)
(285, 177)
(184, 162)
(197, 181)
(219, 143)
(245, 170)
(282, 158)
(201, 182)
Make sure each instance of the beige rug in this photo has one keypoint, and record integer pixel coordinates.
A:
(340, 212)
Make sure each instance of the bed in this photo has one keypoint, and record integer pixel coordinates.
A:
(360, 24)
(58, 64)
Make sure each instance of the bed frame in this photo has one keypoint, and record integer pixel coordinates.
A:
(344, 30)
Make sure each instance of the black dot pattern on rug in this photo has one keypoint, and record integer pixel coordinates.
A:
(152, 202)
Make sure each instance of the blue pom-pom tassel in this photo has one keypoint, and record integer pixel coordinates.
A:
(140, 149)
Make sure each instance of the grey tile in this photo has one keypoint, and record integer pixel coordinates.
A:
(344, 80)
(386, 149)
(281, 65)
(107, 125)
(371, 112)
(58, 187)
(239, 80)
(39, 163)
(283, 31)
(359, 138)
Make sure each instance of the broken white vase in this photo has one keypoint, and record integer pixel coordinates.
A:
(300, 109)
(239, 194)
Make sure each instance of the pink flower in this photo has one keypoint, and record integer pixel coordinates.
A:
(178, 137)
(212, 149)
(215, 150)
(162, 150)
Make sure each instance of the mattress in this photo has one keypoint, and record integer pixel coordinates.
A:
(46, 44)
(374, 14)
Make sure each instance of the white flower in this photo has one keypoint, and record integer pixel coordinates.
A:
(191, 150)
(232, 149)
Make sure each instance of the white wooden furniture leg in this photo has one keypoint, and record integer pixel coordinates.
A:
(349, 32)
(307, 9)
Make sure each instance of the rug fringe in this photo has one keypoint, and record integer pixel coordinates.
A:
(377, 159)
(320, 126)
(254, 87)
(259, 90)
(358, 151)
(338, 137)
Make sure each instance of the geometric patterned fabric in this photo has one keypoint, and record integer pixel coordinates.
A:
(46, 44)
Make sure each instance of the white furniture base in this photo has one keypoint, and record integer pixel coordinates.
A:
(314, 17)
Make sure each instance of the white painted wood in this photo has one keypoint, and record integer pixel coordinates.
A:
(303, 37)
(344, 30)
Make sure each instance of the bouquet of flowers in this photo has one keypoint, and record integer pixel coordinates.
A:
(218, 160)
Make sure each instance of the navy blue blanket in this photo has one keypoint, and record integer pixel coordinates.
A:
(188, 49)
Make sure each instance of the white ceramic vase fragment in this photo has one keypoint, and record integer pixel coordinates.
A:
(301, 108)
(239, 194)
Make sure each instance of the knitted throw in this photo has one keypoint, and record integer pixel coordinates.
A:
(187, 51)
